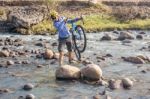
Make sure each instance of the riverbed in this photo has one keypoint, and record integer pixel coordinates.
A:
(47, 87)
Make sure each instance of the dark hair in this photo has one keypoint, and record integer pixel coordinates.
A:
(53, 17)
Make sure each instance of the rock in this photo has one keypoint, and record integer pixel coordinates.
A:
(144, 71)
(106, 37)
(4, 53)
(40, 66)
(97, 96)
(114, 84)
(39, 44)
(140, 37)
(103, 83)
(25, 17)
(136, 60)
(1, 43)
(28, 87)
(145, 58)
(116, 32)
(142, 33)
(85, 62)
(20, 97)
(109, 55)
(127, 83)
(91, 72)
(54, 44)
(108, 97)
(25, 62)
(5, 91)
(67, 72)
(10, 62)
(30, 96)
(48, 54)
(125, 35)
(56, 56)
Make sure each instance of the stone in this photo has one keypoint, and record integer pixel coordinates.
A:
(4, 53)
(91, 72)
(97, 96)
(39, 44)
(114, 84)
(86, 62)
(103, 83)
(67, 72)
(136, 60)
(125, 35)
(48, 54)
(30, 96)
(56, 56)
(10, 62)
(28, 87)
(142, 33)
(55, 44)
(106, 37)
(127, 83)
(140, 37)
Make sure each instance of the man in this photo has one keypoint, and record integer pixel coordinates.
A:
(64, 36)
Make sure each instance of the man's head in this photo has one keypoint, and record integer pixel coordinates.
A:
(54, 15)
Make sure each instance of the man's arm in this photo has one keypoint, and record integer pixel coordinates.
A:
(73, 20)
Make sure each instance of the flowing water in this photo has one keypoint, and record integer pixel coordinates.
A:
(46, 87)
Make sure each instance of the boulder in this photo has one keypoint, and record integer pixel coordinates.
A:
(140, 37)
(91, 72)
(67, 72)
(136, 60)
(114, 84)
(28, 86)
(30, 96)
(10, 62)
(127, 83)
(48, 54)
(4, 53)
(125, 35)
(24, 17)
(106, 37)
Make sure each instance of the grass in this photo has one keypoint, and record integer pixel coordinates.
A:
(96, 23)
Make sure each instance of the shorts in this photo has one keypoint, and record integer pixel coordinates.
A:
(65, 41)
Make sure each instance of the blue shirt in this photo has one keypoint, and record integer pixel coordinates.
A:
(60, 25)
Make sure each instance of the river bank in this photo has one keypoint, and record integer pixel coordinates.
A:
(98, 17)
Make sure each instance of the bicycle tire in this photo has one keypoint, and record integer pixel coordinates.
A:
(81, 49)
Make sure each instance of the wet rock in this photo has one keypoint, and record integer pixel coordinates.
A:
(127, 83)
(39, 44)
(4, 53)
(142, 33)
(56, 56)
(97, 96)
(54, 44)
(125, 35)
(10, 62)
(140, 37)
(116, 32)
(145, 58)
(1, 65)
(108, 97)
(6, 90)
(25, 62)
(67, 72)
(144, 71)
(20, 97)
(109, 55)
(48, 54)
(136, 60)
(18, 62)
(126, 41)
(30, 96)
(40, 66)
(39, 56)
(17, 40)
(106, 37)
(114, 84)
(86, 62)
(28, 87)
(91, 72)
(100, 57)
(103, 83)
(1, 43)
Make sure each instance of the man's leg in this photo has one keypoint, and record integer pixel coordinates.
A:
(69, 48)
(61, 58)
(61, 53)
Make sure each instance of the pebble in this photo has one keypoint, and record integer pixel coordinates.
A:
(30, 96)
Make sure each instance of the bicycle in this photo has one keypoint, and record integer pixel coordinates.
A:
(78, 38)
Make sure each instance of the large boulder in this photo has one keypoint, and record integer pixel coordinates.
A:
(91, 72)
(125, 35)
(24, 17)
(48, 54)
(68, 72)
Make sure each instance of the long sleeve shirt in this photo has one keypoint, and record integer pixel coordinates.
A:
(60, 25)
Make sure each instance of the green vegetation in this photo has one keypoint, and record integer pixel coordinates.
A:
(1, 12)
(98, 17)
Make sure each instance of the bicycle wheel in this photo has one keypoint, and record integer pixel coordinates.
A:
(76, 51)
(80, 38)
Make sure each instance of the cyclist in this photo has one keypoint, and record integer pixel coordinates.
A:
(64, 36)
